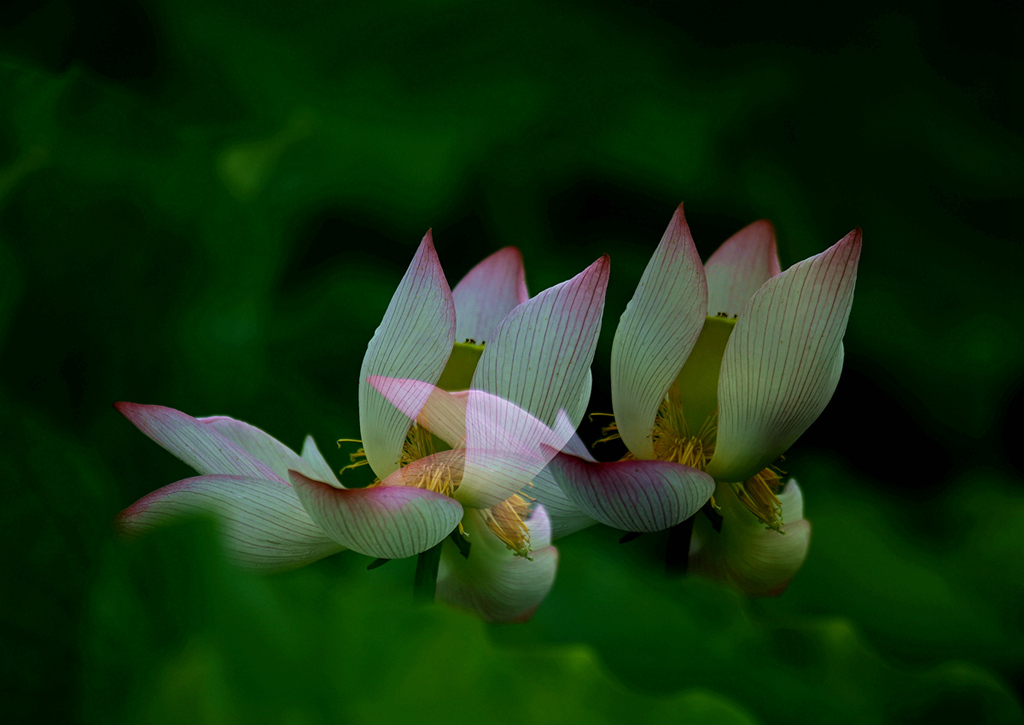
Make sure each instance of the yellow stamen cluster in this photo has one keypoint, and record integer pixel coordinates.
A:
(758, 494)
(356, 459)
(506, 520)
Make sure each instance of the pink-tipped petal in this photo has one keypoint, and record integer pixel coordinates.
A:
(387, 522)
(263, 447)
(739, 267)
(197, 444)
(757, 561)
(492, 582)
(633, 495)
(540, 355)
(263, 525)
(656, 334)
(783, 360)
(488, 292)
(414, 340)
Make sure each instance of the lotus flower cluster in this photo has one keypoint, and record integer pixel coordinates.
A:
(468, 404)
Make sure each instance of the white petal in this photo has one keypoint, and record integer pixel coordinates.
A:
(414, 340)
(783, 360)
(739, 267)
(492, 582)
(540, 356)
(263, 525)
(488, 292)
(317, 463)
(263, 447)
(656, 333)
(566, 517)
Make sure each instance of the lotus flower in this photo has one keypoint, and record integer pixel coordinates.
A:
(728, 393)
(526, 366)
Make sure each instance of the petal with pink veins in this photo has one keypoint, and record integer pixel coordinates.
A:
(414, 340)
(199, 445)
(656, 334)
(488, 292)
(540, 355)
(739, 267)
(264, 448)
(387, 522)
(263, 525)
(566, 517)
(633, 495)
(783, 360)
(318, 464)
(493, 582)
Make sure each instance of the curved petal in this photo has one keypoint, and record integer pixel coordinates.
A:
(321, 470)
(263, 526)
(488, 292)
(195, 443)
(656, 333)
(387, 522)
(633, 495)
(739, 267)
(493, 582)
(414, 340)
(541, 353)
(783, 360)
(756, 561)
(263, 447)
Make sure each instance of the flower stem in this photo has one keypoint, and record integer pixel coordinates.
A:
(424, 583)
(677, 552)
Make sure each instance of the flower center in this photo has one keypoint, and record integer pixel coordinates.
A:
(674, 440)
(424, 466)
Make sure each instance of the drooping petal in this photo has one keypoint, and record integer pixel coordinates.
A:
(633, 495)
(656, 333)
(540, 355)
(414, 340)
(739, 267)
(318, 464)
(200, 446)
(487, 294)
(263, 447)
(755, 560)
(565, 516)
(492, 582)
(263, 525)
(388, 522)
(783, 360)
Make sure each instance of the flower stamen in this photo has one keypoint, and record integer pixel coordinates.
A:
(506, 521)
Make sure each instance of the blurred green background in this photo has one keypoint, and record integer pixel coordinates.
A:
(207, 205)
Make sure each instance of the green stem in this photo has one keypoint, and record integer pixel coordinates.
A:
(424, 583)
(677, 553)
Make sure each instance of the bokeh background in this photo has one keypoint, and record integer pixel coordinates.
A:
(207, 204)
